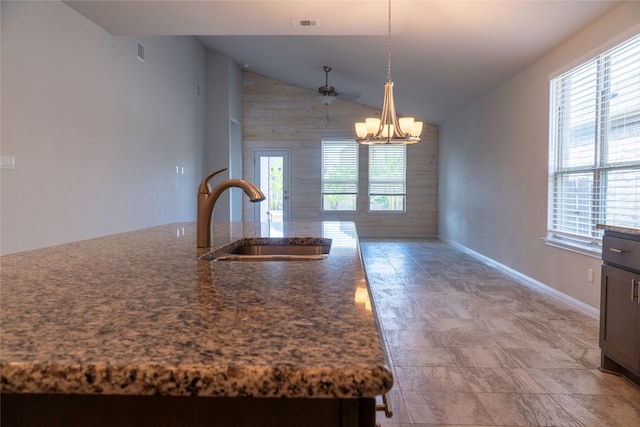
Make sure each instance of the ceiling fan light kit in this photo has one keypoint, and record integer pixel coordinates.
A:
(326, 99)
(388, 129)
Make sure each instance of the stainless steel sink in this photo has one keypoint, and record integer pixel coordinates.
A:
(270, 257)
(273, 249)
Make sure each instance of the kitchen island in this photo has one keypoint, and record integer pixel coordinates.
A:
(138, 329)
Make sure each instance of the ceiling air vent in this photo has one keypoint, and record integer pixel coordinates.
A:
(295, 23)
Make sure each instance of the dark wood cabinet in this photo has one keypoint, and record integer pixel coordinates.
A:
(620, 305)
(620, 330)
(66, 410)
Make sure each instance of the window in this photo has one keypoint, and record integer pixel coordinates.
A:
(339, 175)
(594, 161)
(387, 177)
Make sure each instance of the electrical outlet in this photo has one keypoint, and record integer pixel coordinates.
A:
(590, 274)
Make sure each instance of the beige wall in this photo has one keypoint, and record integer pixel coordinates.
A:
(494, 164)
(277, 115)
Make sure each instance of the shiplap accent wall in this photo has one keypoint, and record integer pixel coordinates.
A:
(278, 115)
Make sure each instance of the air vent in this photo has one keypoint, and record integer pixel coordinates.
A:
(295, 23)
(141, 52)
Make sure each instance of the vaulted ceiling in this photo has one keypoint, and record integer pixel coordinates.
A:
(445, 53)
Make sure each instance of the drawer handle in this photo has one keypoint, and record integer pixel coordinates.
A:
(386, 406)
(618, 251)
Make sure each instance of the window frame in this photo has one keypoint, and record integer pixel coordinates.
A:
(351, 185)
(396, 182)
(590, 241)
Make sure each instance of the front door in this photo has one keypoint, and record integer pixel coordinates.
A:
(271, 169)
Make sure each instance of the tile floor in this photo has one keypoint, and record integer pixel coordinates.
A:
(470, 345)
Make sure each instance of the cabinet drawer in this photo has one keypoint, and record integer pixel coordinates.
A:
(622, 252)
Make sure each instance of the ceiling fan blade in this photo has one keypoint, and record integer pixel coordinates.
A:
(348, 94)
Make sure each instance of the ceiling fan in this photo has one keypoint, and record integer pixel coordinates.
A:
(328, 93)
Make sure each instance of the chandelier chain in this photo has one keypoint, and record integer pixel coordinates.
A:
(389, 45)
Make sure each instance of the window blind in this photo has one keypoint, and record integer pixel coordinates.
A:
(339, 174)
(595, 157)
(387, 177)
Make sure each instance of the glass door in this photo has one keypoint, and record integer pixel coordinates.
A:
(271, 169)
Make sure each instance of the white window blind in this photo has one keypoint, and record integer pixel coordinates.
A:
(339, 175)
(594, 160)
(387, 177)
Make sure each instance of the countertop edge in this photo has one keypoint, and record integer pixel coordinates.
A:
(202, 381)
(625, 230)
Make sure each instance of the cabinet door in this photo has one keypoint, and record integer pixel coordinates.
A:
(619, 318)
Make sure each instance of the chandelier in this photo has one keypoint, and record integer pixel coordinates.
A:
(388, 129)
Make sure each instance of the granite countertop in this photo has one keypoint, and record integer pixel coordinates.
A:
(140, 313)
(624, 230)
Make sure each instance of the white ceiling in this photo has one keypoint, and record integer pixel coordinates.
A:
(445, 53)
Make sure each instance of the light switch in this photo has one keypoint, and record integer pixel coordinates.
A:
(7, 162)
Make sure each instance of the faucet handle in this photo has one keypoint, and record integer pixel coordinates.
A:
(204, 185)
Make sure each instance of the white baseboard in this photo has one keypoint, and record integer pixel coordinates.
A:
(528, 281)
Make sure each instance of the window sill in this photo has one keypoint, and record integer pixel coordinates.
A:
(339, 212)
(594, 251)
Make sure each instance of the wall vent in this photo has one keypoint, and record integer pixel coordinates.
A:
(141, 52)
(295, 23)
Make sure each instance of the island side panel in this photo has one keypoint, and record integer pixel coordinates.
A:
(54, 410)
